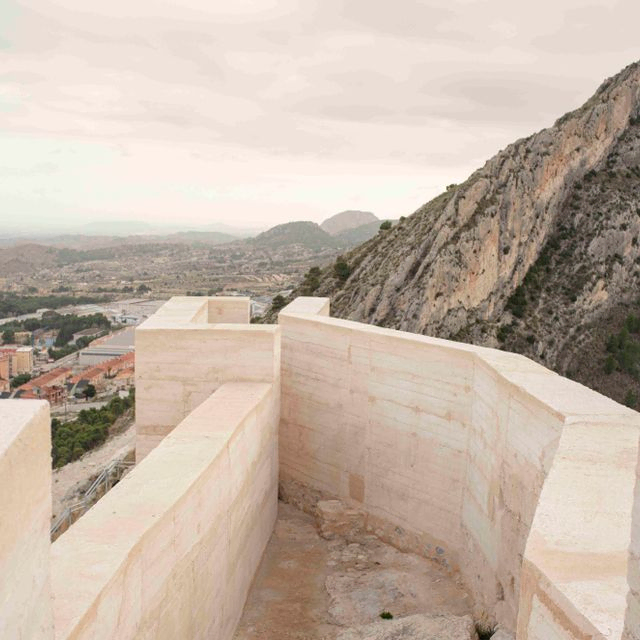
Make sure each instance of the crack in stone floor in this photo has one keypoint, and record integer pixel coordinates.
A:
(310, 588)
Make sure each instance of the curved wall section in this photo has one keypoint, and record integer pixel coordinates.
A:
(446, 447)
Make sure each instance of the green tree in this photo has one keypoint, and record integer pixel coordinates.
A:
(386, 225)
(311, 281)
(341, 269)
(278, 303)
(19, 380)
(8, 336)
(143, 288)
(89, 391)
(91, 428)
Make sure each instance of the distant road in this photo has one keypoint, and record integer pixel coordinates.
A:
(74, 408)
(141, 306)
(67, 361)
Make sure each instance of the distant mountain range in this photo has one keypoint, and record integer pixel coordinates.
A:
(347, 220)
(120, 229)
(344, 230)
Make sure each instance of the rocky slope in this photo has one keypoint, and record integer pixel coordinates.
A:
(536, 252)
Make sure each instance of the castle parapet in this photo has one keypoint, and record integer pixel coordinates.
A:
(25, 519)
(189, 348)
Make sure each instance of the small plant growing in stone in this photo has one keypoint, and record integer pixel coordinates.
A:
(386, 615)
(483, 632)
(631, 399)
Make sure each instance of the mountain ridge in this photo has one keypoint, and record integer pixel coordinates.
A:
(452, 267)
(347, 220)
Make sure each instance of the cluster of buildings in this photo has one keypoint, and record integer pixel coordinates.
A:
(49, 386)
(61, 383)
(118, 372)
(14, 361)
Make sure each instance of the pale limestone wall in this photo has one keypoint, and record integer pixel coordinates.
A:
(489, 463)
(447, 447)
(379, 420)
(229, 310)
(575, 571)
(512, 438)
(180, 360)
(25, 518)
(171, 551)
(632, 618)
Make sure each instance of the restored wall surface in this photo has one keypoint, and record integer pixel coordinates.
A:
(483, 460)
(171, 551)
(180, 360)
(579, 542)
(25, 518)
(632, 618)
(221, 309)
(380, 421)
(446, 447)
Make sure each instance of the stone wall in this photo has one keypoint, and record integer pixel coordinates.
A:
(632, 619)
(575, 567)
(171, 551)
(187, 350)
(446, 447)
(519, 479)
(25, 518)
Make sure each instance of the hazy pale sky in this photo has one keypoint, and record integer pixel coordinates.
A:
(255, 112)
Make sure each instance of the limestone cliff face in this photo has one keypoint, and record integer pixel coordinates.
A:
(451, 267)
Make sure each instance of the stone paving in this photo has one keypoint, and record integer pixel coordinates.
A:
(311, 588)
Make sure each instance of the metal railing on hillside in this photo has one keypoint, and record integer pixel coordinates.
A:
(110, 476)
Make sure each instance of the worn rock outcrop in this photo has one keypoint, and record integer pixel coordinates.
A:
(564, 202)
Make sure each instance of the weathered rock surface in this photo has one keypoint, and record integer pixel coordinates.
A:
(371, 577)
(561, 205)
(418, 627)
(335, 519)
(310, 588)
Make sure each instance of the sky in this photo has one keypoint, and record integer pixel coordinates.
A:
(250, 113)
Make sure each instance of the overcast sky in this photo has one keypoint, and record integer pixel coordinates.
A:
(255, 112)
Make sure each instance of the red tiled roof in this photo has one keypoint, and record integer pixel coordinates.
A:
(46, 378)
(123, 360)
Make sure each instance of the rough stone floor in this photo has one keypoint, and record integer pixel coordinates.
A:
(309, 588)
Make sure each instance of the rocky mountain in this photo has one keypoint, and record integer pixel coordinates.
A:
(347, 220)
(357, 235)
(535, 252)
